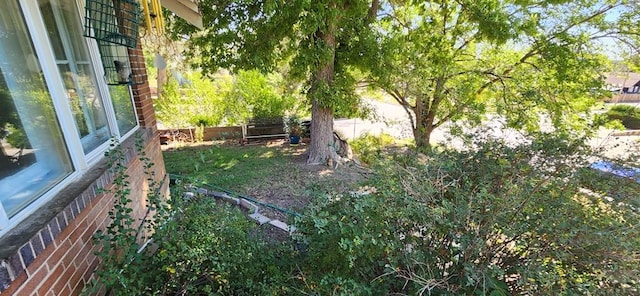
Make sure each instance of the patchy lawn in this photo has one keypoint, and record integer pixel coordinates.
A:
(271, 171)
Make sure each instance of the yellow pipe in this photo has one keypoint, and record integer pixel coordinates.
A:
(161, 17)
(158, 12)
(147, 14)
(153, 11)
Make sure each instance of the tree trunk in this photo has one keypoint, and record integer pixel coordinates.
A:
(321, 134)
(320, 149)
(6, 165)
(422, 134)
(425, 117)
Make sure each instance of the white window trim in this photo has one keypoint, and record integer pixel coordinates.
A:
(47, 60)
(103, 87)
(80, 160)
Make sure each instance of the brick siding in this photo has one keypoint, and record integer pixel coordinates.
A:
(144, 102)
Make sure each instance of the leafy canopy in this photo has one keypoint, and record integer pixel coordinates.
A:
(453, 60)
(268, 34)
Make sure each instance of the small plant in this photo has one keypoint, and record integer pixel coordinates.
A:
(369, 147)
(293, 125)
(199, 134)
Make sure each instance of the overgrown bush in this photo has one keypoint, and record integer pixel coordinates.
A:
(210, 248)
(628, 115)
(491, 220)
(625, 190)
(370, 147)
(256, 95)
(494, 220)
(201, 102)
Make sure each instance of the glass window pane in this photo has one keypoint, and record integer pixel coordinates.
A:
(63, 25)
(33, 156)
(56, 44)
(122, 104)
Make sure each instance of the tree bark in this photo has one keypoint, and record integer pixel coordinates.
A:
(321, 149)
(321, 134)
(425, 116)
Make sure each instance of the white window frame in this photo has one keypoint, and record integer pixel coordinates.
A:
(81, 162)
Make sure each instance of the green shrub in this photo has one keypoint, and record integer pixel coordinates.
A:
(628, 115)
(203, 120)
(494, 220)
(210, 248)
(257, 95)
(369, 147)
(622, 189)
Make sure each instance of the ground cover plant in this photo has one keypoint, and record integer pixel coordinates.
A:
(627, 114)
(493, 219)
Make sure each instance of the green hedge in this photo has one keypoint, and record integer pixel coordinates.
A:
(628, 115)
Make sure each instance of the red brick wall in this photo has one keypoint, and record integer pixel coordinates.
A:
(59, 260)
(141, 90)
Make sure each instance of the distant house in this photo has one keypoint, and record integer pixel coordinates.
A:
(623, 82)
(625, 86)
(72, 77)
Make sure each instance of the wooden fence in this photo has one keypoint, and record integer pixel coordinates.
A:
(625, 98)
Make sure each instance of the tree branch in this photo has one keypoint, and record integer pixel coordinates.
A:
(373, 11)
(536, 49)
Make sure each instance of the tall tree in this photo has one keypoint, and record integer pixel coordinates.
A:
(320, 40)
(450, 60)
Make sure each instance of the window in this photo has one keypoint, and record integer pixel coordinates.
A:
(120, 91)
(74, 64)
(33, 156)
(123, 106)
(56, 113)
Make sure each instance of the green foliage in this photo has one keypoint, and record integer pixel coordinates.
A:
(493, 220)
(201, 102)
(119, 242)
(622, 189)
(210, 248)
(170, 108)
(370, 148)
(224, 99)
(628, 115)
(16, 137)
(293, 125)
(256, 95)
(123, 107)
(317, 42)
(199, 133)
(458, 60)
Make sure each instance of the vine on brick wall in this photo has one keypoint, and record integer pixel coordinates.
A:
(119, 243)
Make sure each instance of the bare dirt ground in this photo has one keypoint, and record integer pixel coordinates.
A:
(294, 188)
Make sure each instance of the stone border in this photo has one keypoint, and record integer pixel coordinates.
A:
(252, 208)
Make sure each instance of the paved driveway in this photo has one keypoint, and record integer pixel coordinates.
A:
(393, 120)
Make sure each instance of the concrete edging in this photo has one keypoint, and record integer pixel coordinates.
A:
(252, 208)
